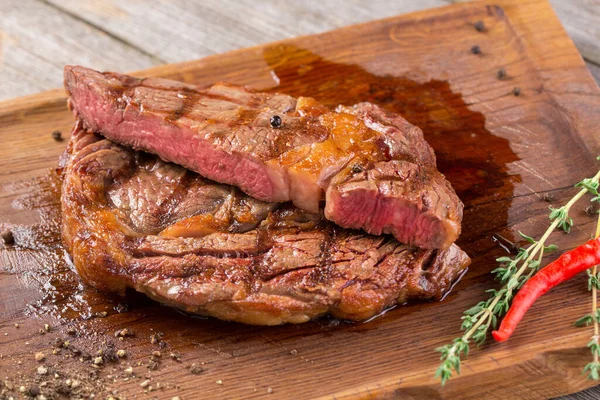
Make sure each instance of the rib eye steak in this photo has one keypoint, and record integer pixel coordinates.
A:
(131, 220)
(374, 169)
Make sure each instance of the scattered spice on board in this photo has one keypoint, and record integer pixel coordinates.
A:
(479, 26)
(196, 369)
(57, 135)
(7, 236)
(121, 308)
(153, 363)
(124, 333)
(476, 49)
(548, 197)
(590, 210)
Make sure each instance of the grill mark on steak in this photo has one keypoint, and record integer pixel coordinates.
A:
(224, 133)
(291, 267)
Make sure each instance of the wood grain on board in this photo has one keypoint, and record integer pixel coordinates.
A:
(36, 41)
(581, 19)
(508, 156)
(37, 37)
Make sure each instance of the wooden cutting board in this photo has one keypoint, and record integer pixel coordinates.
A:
(509, 157)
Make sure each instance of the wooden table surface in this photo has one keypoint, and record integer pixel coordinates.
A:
(38, 37)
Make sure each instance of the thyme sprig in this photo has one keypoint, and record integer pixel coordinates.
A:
(512, 273)
(592, 369)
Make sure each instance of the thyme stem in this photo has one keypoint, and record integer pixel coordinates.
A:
(595, 296)
(478, 319)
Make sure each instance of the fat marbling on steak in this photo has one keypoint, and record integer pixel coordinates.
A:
(374, 169)
(131, 220)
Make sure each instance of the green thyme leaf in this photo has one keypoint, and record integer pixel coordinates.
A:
(513, 273)
(584, 321)
(528, 238)
(590, 185)
(475, 309)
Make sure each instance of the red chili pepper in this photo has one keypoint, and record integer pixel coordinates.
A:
(564, 268)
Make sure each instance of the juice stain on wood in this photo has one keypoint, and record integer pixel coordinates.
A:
(473, 159)
(42, 265)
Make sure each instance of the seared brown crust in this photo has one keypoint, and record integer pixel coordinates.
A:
(252, 262)
(374, 169)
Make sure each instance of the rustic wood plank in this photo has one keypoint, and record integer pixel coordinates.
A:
(36, 41)
(171, 32)
(594, 70)
(523, 145)
(180, 31)
(581, 18)
(41, 37)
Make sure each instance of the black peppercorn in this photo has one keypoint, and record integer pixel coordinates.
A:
(356, 168)
(34, 391)
(275, 121)
(7, 236)
(476, 49)
(590, 210)
(548, 197)
(501, 74)
(517, 91)
(57, 135)
(479, 26)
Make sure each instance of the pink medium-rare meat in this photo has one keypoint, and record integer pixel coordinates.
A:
(374, 170)
(131, 220)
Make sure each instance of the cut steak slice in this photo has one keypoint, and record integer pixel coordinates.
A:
(131, 220)
(374, 170)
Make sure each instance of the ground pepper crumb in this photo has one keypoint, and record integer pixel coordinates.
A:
(548, 197)
(34, 391)
(175, 356)
(196, 369)
(7, 236)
